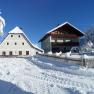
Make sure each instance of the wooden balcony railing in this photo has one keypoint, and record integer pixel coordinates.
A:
(65, 44)
(64, 36)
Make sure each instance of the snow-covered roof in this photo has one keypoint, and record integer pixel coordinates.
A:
(18, 30)
(61, 26)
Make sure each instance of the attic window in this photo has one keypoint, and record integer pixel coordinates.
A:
(11, 35)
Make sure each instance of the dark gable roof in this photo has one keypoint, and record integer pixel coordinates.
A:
(66, 26)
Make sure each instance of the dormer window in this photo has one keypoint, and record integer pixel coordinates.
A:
(11, 35)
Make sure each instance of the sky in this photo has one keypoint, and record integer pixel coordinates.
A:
(36, 17)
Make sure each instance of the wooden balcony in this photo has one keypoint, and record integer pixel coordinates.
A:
(54, 36)
(65, 44)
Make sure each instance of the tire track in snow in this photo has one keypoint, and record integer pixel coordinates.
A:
(40, 82)
(54, 64)
(62, 81)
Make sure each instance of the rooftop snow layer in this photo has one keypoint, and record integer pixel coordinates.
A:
(61, 26)
(16, 30)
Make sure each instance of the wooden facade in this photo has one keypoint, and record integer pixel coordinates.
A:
(62, 38)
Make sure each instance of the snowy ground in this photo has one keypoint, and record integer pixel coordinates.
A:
(42, 75)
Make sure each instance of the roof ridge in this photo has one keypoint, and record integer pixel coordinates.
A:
(17, 29)
(55, 28)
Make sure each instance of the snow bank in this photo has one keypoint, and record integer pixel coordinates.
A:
(49, 53)
(58, 53)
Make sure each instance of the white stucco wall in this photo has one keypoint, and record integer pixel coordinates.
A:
(16, 48)
(46, 44)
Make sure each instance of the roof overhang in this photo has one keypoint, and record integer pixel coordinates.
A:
(65, 26)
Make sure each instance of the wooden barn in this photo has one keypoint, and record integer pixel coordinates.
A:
(61, 38)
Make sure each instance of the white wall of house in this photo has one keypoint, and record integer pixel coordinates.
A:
(46, 44)
(15, 43)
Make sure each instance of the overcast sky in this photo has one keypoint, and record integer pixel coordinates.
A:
(36, 17)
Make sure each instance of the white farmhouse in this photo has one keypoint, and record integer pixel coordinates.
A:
(16, 43)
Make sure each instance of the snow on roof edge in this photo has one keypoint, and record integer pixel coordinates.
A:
(62, 25)
(32, 43)
(17, 29)
(76, 28)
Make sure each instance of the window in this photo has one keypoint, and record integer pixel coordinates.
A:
(11, 35)
(15, 43)
(20, 52)
(7, 43)
(3, 53)
(67, 40)
(22, 43)
(10, 53)
(27, 52)
(19, 36)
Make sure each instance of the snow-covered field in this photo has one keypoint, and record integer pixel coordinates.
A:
(42, 75)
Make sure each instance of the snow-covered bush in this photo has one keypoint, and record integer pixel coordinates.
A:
(88, 40)
(49, 53)
(67, 54)
(87, 47)
(58, 54)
